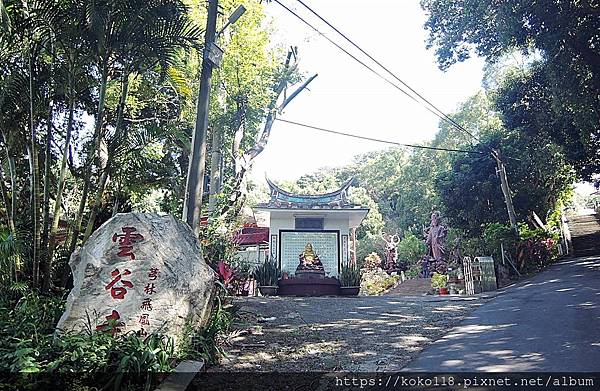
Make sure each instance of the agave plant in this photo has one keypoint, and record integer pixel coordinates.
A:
(350, 276)
(267, 273)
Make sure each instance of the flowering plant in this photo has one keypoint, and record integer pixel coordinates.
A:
(377, 281)
(439, 281)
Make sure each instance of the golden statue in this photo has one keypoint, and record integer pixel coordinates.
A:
(309, 260)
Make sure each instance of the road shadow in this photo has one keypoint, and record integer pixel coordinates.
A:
(547, 323)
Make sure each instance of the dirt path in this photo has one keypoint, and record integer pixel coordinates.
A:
(335, 333)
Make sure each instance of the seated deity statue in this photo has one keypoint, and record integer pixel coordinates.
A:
(309, 260)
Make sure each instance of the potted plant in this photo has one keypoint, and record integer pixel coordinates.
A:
(266, 275)
(350, 277)
(439, 282)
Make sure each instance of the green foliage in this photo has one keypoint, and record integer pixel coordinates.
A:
(27, 315)
(350, 276)
(369, 244)
(243, 270)
(206, 344)
(267, 273)
(400, 183)
(242, 267)
(132, 66)
(27, 346)
(439, 280)
(536, 249)
(217, 241)
(531, 103)
(471, 193)
(413, 271)
(11, 257)
(373, 223)
(411, 249)
(98, 358)
(495, 234)
(558, 99)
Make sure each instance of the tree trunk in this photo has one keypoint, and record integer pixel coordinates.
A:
(6, 199)
(88, 166)
(35, 188)
(13, 185)
(97, 204)
(244, 163)
(119, 135)
(9, 201)
(215, 169)
(44, 261)
(62, 176)
(11, 204)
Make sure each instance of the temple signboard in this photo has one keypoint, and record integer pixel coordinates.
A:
(142, 273)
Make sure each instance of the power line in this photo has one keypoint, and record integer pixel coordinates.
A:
(451, 122)
(441, 115)
(378, 140)
(447, 118)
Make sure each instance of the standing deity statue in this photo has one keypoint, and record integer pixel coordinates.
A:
(391, 250)
(436, 238)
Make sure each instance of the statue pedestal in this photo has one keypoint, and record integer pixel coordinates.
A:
(309, 285)
(310, 274)
(308, 282)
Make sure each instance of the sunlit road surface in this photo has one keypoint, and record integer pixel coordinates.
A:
(550, 322)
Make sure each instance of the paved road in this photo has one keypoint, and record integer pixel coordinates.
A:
(548, 323)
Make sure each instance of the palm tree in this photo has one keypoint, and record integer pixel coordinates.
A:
(144, 35)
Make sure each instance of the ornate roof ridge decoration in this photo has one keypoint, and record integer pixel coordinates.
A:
(284, 199)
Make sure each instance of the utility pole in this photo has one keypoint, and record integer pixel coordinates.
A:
(506, 191)
(215, 169)
(195, 178)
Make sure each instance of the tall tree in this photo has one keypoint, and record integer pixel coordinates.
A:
(471, 196)
(141, 35)
(563, 34)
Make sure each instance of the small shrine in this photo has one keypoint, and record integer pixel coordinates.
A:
(312, 236)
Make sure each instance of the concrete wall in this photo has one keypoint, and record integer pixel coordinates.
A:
(252, 255)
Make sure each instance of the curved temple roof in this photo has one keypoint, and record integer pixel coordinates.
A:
(335, 199)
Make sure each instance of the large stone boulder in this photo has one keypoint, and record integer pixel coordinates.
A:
(139, 272)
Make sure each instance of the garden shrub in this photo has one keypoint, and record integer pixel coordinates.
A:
(377, 281)
(495, 234)
(99, 359)
(413, 271)
(366, 246)
(536, 249)
(411, 249)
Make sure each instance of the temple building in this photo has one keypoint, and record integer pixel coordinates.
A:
(326, 222)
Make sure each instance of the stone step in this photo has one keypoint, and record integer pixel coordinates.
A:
(585, 234)
(412, 287)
